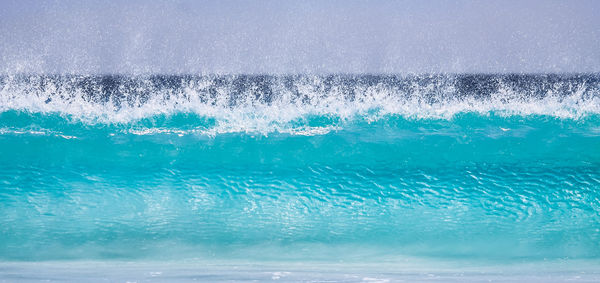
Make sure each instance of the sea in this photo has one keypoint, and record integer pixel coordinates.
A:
(300, 178)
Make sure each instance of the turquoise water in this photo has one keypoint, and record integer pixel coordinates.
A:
(442, 171)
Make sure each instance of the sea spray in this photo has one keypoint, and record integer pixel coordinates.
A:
(503, 168)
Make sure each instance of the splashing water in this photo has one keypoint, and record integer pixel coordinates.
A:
(504, 168)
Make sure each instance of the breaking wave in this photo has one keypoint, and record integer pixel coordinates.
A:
(296, 104)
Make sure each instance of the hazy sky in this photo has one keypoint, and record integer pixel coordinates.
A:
(299, 36)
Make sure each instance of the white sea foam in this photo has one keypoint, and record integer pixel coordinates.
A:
(39, 132)
(287, 103)
(229, 129)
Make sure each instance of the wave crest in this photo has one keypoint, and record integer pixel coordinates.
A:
(245, 103)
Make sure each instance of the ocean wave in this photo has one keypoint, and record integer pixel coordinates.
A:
(300, 167)
(272, 103)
